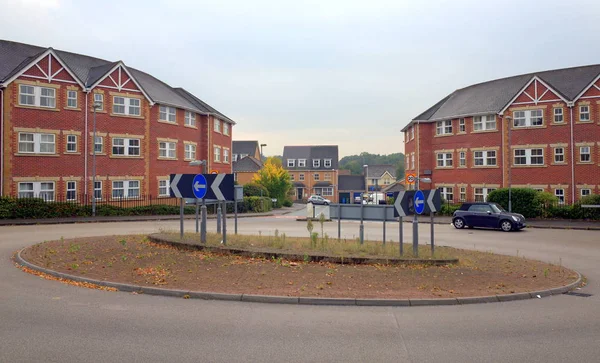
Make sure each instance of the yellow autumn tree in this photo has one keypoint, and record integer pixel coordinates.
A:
(275, 178)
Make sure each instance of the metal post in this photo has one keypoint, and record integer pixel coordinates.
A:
(384, 218)
(235, 211)
(401, 237)
(361, 228)
(339, 221)
(510, 156)
(203, 223)
(432, 243)
(94, 164)
(181, 219)
(416, 226)
(219, 217)
(197, 209)
(225, 223)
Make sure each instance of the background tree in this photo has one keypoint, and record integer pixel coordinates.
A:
(275, 179)
(355, 163)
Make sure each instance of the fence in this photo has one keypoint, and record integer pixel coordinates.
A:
(83, 200)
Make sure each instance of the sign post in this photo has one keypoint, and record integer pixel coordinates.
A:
(419, 203)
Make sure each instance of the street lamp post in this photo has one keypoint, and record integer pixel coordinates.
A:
(508, 119)
(261, 152)
(96, 106)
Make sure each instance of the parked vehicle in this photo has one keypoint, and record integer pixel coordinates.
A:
(317, 199)
(487, 215)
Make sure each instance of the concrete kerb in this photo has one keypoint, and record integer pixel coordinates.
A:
(300, 300)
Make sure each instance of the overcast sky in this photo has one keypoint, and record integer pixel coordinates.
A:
(343, 72)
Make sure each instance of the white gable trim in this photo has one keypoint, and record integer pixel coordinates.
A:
(534, 99)
(49, 75)
(118, 86)
(592, 84)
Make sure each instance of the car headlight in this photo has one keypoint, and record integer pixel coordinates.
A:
(516, 219)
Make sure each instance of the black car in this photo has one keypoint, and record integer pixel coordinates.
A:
(487, 215)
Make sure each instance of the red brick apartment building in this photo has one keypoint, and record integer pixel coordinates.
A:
(538, 130)
(145, 129)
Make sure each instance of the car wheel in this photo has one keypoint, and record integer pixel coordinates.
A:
(458, 223)
(506, 225)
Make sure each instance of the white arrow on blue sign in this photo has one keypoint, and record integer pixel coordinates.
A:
(199, 186)
(419, 202)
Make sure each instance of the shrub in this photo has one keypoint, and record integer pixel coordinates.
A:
(257, 204)
(7, 207)
(545, 200)
(254, 190)
(448, 209)
(522, 200)
(287, 203)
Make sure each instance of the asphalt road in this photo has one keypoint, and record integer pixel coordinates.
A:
(46, 321)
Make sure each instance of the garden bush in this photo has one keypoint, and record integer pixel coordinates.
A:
(254, 190)
(257, 204)
(523, 201)
(7, 207)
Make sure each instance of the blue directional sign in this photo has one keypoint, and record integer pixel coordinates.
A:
(199, 186)
(419, 202)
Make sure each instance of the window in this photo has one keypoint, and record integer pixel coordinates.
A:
(291, 163)
(585, 154)
(126, 189)
(528, 118)
(444, 160)
(412, 133)
(217, 153)
(327, 163)
(559, 155)
(98, 190)
(316, 163)
(126, 106)
(463, 194)
(125, 147)
(190, 152)
(484, 158)
(461, 125)
(71, 143)
(292, 177)
(217, 125)
(72, 99)
(481, 123)
(99, 144)
(462, 159)
(36, 143)
(413, 160)
(189, 119)
(243, 156)
(584, 113)
(327, 192)
(444, 127)
(225, 128)
(316, 176)
(481, 194)
(586, 192)
(301, 177)
(558, 115)
(167, 150)
(167, 113)
(234, 157)
(99, 99)
(37, 96)
(71, 190)
(447, 193)
(163, 188)
(226, 155)
(301, 163)
(44, 190)
(529, 157)
(560, 194)
(327, 176)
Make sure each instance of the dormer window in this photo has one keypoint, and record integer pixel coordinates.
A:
(327, 163)
(316, 163)
(291, 163)
(301, 163)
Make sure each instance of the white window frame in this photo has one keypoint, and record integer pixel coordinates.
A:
(128, 146)
(217, 154)
(561, 154)
(37, 96)
(225, 128)
(485, 158)
(412, 133)
(97, 192)
(101, 143)
(585, 118)
(234, 157)
(484, 193)
(71, 187)
(559, 117)
(316, 176)
(528, 156)
(462, 159)
(129, 106)
(327, 176)
(99, 98)
(443, 127)
(484, 123)
(167, 114)
(71, 142)
(463, 194)
(301, 177)
(163, 188)
(37, 191)
(128, 188)
(327, 191)
(414, 157)
(560, 194)
(525, 118)
(585, 151)
(189, 119)
(462, 125)
(71, 98)
(189, 151)
(291, 163)
(316, 163)
(446, 160)
(226, 156)
(301, 163)
(167, 150)
(447, 191)
(243, 156)
(327, 163)
(217, 125)
(37, 143)
(588, 191)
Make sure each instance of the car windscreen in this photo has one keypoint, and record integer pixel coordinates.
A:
(497, 208)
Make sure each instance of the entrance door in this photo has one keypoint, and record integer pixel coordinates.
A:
(300, 191)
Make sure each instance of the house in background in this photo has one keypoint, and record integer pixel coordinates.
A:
(241, 149)
(351, 188)
(378, 177)
(313, 170)
(244, 169)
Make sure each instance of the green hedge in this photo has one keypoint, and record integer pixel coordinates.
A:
(255, 190)
(523, 201)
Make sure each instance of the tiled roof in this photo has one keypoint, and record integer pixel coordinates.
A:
(244, 147)
(15, 56)
(493, 96)
(396, 187)
(310, 152)
(247, 164)
(377, 171)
